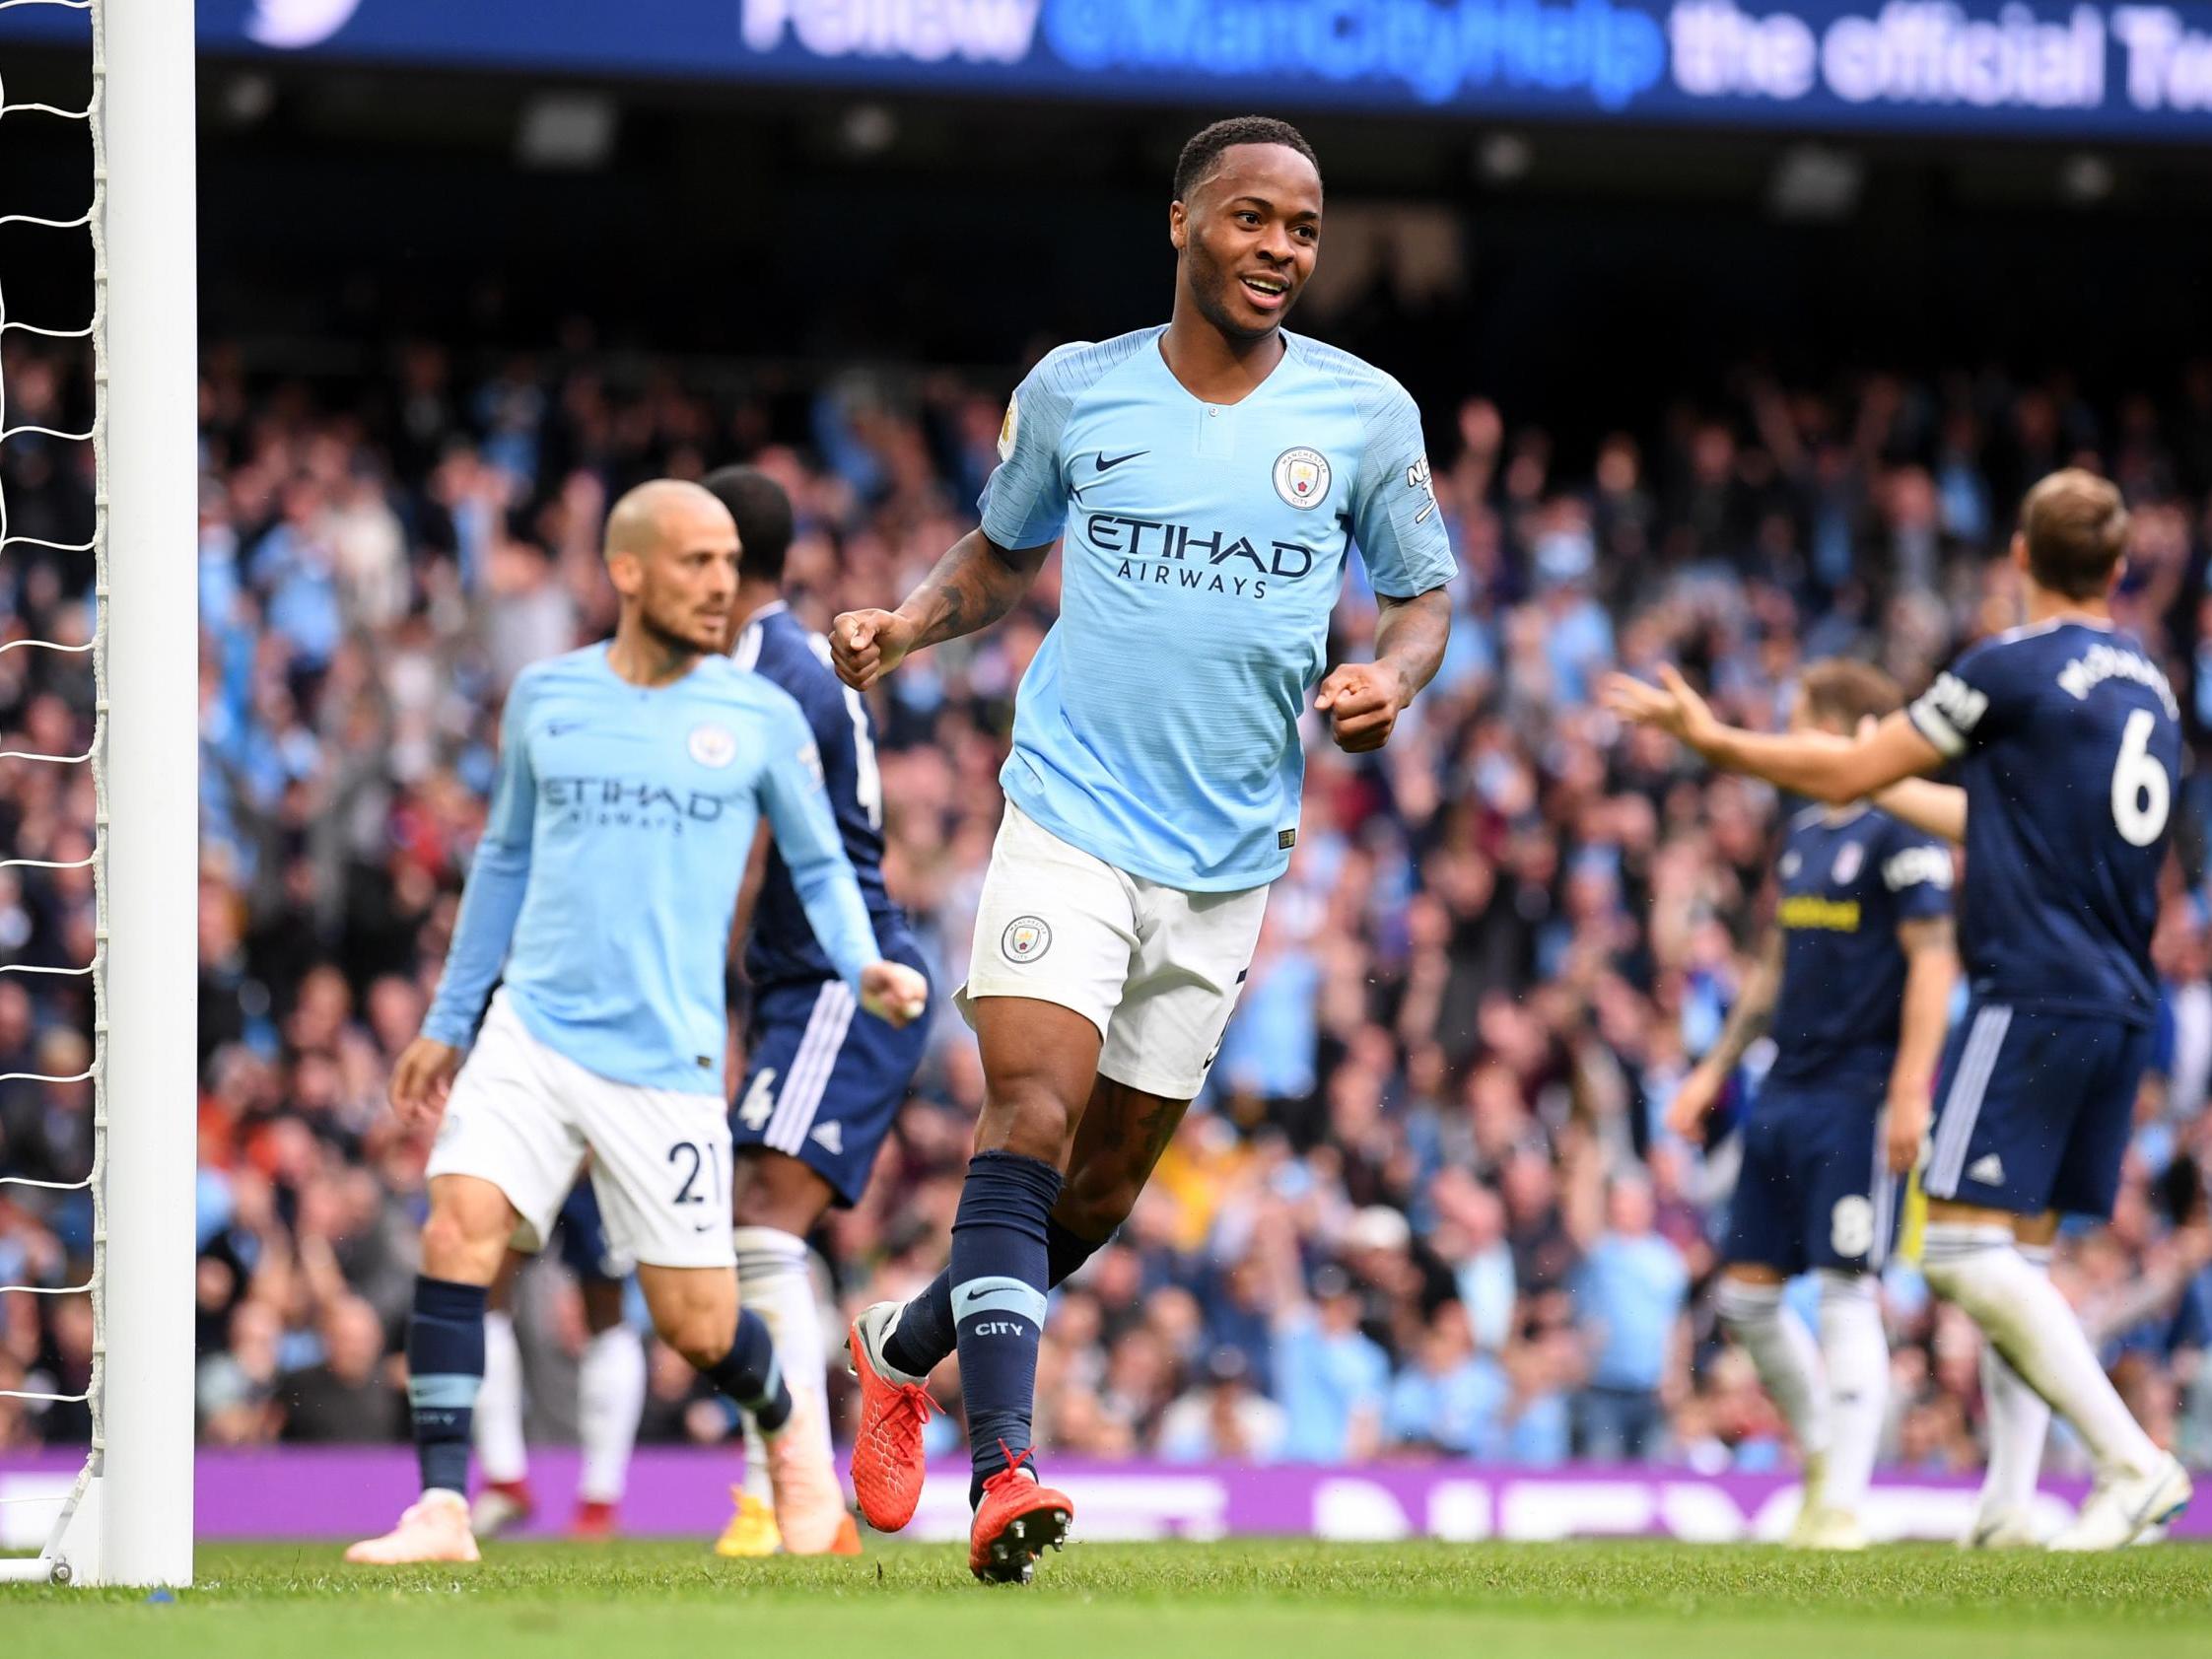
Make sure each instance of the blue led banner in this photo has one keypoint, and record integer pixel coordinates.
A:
(2042, 68)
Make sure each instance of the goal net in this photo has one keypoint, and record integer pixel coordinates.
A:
(127, 1516)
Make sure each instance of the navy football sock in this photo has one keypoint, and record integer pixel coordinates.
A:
(751, 1374)
(1065, 1254)
(924, 1337)
(445, 1369)
(998, 1269)
(923, 1334)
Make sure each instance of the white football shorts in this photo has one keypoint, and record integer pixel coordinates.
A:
(1157, 970)
(522, 1116)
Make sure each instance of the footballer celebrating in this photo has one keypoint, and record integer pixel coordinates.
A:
(1207, 481)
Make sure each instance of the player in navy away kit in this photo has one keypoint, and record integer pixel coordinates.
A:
(821, 1087)
(2067, 740)
(1855, 985)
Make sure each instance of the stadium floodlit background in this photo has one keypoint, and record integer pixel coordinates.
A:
(1737, 333)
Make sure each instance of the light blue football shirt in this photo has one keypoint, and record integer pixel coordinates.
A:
(607, 876)
(1204, 547)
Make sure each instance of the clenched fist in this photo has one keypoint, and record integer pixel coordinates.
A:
(866, 645)
(1362, 701)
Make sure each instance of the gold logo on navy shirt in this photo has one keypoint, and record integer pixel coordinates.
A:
(1810, 910)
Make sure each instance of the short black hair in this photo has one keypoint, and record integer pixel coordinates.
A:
(764, 519)
(1205, 147)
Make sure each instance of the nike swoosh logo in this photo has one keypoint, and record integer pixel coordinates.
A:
(1105, 465)
(561, 727)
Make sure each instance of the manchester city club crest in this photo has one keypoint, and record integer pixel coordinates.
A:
(1301, 477)
(1848, 863)
(1026, 940)
(712, 746)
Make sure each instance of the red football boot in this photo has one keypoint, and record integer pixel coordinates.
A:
(887, 1459)
(1018, 1521)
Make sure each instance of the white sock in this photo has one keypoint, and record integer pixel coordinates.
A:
(774, 1281)
(1856, 1354)
(2021, 1311)
(758, 1486)
(499, 1451)
(2019, 1419)
(1782, 1349)
(610, 1391)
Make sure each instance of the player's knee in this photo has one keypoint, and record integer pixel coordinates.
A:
(461, 1247)
(1955, 1259)
(772, 1190)
(1744, 1302)
(1027, 1114)
(1844, 1285)
(701, 1335)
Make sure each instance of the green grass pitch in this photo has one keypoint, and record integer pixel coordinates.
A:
(1251, 1599)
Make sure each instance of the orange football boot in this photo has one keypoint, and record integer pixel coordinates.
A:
(1017, 1520)
(888, 1456)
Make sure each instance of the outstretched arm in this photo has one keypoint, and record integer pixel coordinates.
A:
(1818, 764)
(1937, 809)
(973, 586)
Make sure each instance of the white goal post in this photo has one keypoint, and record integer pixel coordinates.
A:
(129, 1518)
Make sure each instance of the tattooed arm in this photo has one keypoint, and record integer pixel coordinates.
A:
(973, 586)
(1364, 700)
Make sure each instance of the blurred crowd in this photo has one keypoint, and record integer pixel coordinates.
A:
(1426, 1206)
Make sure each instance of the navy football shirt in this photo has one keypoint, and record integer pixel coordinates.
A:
(782, 947)
(1847, 883)
(2069, 745)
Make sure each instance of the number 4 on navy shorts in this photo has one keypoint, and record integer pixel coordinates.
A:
(825, 1080)
(2035, 1110)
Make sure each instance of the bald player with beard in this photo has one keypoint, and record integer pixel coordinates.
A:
(632, 775)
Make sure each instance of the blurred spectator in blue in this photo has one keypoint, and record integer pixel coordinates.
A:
(1631, 1290)
(1451, 1398)
(1331, 1376)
